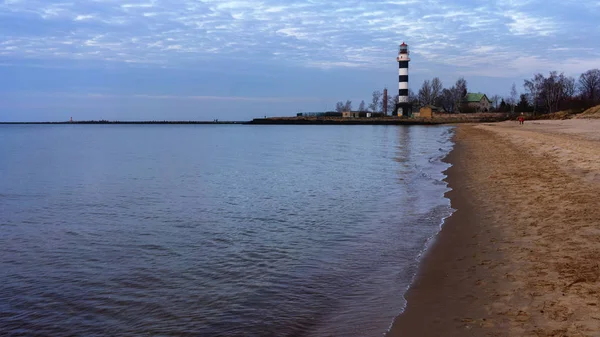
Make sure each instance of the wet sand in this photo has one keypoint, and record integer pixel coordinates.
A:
(521, 255)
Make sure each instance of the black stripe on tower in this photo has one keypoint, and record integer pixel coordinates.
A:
(403, 78)
(403, 64)
(403, 92)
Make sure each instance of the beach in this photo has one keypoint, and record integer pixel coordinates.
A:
(521, 254)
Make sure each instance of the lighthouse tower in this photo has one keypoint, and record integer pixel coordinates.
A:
(403, 107)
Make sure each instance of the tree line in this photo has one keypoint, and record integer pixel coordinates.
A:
(542, 94)
(559, 92)
(431, 93)
(375, 106)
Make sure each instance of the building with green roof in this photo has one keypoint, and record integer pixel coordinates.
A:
(478, 101)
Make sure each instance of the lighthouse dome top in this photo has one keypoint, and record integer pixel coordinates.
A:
(403, 49)
(403, 53)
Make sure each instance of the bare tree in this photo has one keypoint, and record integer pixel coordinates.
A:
(447, 99)
(412, 97)
(425, 93)
(553, 91)
(459, 92)
(392, 100)
(512, 99)
(495, 99)
(362, 107)
(589, 85)
(568, 84)
(549, 92)
(339, 107)
(348, 105)
(436, 90)
(461, 87)
(534, 87)
(430, 92)
(376, 101)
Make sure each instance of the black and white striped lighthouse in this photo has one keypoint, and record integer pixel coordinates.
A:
(403, 106)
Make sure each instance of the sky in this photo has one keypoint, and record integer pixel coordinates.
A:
(237, 60)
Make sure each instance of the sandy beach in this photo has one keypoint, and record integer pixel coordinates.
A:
(521, 255)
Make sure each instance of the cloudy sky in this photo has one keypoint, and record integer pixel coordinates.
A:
(236, 59)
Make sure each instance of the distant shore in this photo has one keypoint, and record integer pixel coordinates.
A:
(130, 122)
(439, 119)
(520, 255)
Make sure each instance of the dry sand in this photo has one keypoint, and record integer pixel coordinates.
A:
(521, 256)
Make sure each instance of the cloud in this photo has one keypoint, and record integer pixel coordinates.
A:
(138, 5)
(303, 33)
(83, 17)
(527, 24)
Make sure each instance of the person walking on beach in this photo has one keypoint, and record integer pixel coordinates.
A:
(521, 119)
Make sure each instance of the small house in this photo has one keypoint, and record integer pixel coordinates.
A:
(426, 112)
(478, 102)
(350, 114)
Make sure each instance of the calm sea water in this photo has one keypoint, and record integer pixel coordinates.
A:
(214, 230)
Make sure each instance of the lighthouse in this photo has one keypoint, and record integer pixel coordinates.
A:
(403, 107)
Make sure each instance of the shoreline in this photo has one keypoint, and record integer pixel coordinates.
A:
(519, 256)
(436, 284)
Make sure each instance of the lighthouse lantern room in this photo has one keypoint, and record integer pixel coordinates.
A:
(403, 106)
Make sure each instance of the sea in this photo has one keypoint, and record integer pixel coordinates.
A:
(214, 230)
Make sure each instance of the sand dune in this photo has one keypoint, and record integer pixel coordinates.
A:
(593, 112)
